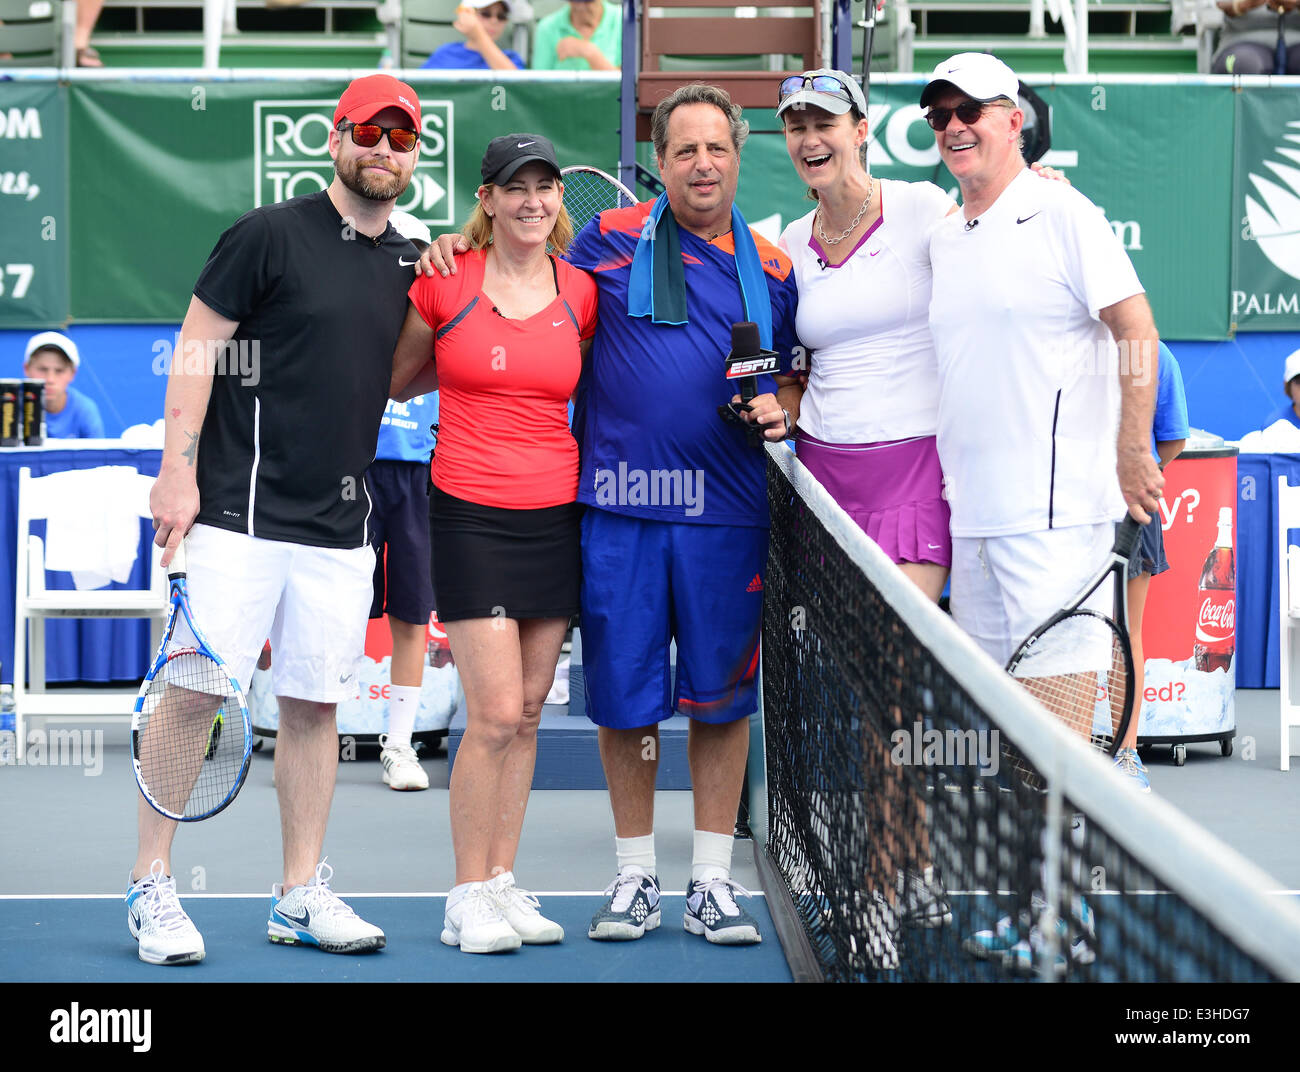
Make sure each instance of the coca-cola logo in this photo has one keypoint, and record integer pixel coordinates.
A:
(1216, 621)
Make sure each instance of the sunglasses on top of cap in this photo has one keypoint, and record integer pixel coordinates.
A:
(367, 135)
(967, 112)
(821, 83)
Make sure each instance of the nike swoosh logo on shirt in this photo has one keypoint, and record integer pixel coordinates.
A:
(556, 323)
(932, 546)
(1028, 218)
(406, 263)
(874, 252)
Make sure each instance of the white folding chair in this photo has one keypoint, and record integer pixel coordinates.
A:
(1288, 517)
(122, 496)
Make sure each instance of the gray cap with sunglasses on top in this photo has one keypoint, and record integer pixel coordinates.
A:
(977, 74)
(825, 88)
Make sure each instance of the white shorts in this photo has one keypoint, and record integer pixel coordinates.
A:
(313, 604)
(1005, 587)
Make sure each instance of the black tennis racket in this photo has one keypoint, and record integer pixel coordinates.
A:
(588, 192)
(191, 733)
(1079, 663)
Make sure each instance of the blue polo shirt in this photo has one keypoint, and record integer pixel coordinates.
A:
(404, 433)
(1171, 402)
(79, 419)
(648, 398)
(456, 55)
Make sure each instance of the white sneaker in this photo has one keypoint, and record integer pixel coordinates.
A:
(879, 942)
(158, 922)
(313, 914)
(922, 900)
(401, 769)
(476, 924)
(519, 908)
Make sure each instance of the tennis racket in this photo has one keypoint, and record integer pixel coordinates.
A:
(191, 733)
(1079, 663)
(588, 192)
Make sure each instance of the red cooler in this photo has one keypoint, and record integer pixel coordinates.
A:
(1189, 626)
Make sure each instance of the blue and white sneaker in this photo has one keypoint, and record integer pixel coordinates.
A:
(711, 910)
(1077, 948)
(313, 914)
(993, 944)
(158, 922)
(632, 908)
(1128, 764)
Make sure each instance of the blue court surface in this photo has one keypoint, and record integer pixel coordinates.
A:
(86, 940)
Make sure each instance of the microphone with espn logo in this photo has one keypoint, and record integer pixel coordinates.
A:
(745, 363)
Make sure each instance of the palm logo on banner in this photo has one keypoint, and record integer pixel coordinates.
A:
(1274, 219)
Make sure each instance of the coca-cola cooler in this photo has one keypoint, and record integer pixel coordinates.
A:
(1188, 630)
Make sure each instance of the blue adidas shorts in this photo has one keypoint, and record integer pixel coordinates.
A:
(646, 583)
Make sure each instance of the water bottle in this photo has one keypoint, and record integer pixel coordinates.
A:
(8, 727)
(386, 62)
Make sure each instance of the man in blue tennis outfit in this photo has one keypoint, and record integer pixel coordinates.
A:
(675, 534)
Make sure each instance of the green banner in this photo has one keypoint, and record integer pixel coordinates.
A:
(1266, 200)
(168, 166)
(1165, 194)
(34, 225)
(113, 193)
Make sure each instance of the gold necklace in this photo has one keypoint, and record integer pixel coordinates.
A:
(821, 233)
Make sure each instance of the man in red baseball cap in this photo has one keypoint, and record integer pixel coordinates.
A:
(267, 444)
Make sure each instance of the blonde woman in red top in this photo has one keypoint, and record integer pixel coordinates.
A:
(503, 340)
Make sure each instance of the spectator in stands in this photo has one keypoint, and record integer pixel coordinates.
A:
(1248, 41)
(87, 15)
(1291, 387)
(69, 414)
(398, 479)
(587, 35)
(482, 22)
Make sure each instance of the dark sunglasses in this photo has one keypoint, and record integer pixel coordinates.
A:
(967, 112)
(499, 16)
(403, 139)
(821, 83)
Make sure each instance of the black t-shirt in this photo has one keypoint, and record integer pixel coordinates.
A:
(298, 395)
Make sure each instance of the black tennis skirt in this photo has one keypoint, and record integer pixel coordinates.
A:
(488, 562)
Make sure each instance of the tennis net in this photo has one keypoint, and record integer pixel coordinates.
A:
(893, 800)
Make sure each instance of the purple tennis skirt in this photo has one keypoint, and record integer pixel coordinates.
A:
(894, 491)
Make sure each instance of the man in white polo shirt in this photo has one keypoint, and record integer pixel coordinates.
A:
(1044, 431)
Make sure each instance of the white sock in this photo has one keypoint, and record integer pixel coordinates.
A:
(636, 852)
(403, 705)
(712, 856)
(457, 893)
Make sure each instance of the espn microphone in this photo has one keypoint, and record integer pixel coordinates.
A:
(745, 363)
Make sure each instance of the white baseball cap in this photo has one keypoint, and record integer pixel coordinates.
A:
(840, 93)
(516, 9)
(53, 340)
(980, 76)
(408, 226)
(1292, 368)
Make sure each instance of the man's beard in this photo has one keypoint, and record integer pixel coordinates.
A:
(389, 188)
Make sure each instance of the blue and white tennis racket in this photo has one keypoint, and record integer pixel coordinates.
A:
(191, 733)
(588, 192)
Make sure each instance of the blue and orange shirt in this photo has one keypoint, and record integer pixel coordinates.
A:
(646, 414)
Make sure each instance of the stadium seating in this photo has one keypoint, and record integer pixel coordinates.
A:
(30, 32)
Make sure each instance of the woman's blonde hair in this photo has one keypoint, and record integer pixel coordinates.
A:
(478, 228)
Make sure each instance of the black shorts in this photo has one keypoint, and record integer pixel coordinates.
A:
(1149, 555)
(489, 562)
(400, 536)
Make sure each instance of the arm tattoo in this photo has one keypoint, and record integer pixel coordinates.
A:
(191, 452)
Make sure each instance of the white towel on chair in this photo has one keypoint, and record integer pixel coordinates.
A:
(93, 522)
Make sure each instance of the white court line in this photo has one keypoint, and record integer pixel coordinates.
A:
(260, 896)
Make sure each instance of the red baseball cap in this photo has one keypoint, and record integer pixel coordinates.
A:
(366, 97)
